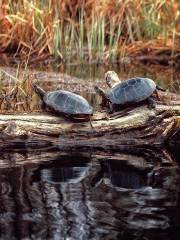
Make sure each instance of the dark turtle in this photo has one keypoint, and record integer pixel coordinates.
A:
(128, 92)
(65, 103)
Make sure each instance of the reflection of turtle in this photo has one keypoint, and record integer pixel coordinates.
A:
(63, 174)
(66, 169)
(119, 174)
(66, 103)
(131, 91)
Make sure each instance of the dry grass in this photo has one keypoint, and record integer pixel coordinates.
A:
(87, 30)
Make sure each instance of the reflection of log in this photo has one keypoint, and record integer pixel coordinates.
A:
(128, 130)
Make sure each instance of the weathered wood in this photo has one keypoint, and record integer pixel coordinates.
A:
(131, 130)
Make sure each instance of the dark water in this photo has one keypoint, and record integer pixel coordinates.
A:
(79, 196)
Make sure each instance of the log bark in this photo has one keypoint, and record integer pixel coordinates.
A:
(136, 130)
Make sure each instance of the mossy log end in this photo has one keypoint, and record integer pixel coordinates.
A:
(130, 130)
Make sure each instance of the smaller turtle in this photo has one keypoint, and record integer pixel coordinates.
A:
(65, 103)
(131, 91)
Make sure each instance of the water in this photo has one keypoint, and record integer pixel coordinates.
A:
(78, 196)
(56, 195)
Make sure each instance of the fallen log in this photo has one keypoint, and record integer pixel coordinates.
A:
(136, 130)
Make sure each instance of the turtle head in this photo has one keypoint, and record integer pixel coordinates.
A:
(103, 94)
(39, 91)
(111, 78)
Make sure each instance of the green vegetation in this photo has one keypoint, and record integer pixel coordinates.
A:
(78, 30)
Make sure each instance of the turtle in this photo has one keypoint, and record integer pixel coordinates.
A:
(130, 91)
(66, 103)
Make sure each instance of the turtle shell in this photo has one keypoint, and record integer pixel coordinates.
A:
(67, 102)
(132, 90)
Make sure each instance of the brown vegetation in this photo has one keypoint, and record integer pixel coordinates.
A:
(89, 29)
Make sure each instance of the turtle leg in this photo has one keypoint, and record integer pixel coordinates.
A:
(104, 102)
(111, 109)
(43, 106)
(151, 103)
(157, 95)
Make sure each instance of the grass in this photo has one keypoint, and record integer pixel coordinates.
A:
(86, 30)
(15, 94)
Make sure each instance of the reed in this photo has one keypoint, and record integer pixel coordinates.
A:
(85, 30)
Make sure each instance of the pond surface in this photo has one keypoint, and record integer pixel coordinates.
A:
(53, 195)
(76, 196)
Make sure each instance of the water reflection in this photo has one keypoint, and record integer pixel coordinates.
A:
(55, 173)
(122, 175)
(56, 199)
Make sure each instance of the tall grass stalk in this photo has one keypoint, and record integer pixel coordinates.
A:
(96, 39)
(75, 31)
(81, 35)
(114, 39)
